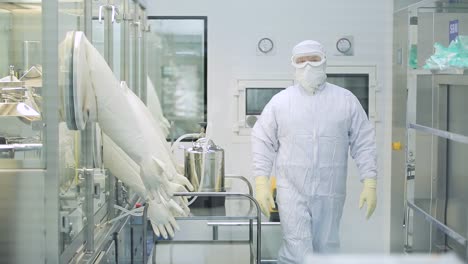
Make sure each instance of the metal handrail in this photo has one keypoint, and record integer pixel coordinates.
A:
(242, 178)
(20, 147)
(440, 133)
(439, 225)
(221, 194)
(241, 223)
(231, 194)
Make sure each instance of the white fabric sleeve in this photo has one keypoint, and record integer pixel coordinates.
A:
(265, 142)
(128, 122)
(154, 105)
(362, 140)
(122, 166)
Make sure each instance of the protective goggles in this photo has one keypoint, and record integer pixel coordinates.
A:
(312, 59)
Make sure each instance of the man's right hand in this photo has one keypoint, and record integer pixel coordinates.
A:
(263, 194)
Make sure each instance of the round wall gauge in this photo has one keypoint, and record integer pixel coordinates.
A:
(265, 45)
(343, 45)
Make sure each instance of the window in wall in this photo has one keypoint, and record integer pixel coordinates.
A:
(257, 98)
(358, 84)
(177, 61)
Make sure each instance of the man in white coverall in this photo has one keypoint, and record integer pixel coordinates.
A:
(307, 131)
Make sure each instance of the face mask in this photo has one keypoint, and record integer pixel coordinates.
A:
(311, 77)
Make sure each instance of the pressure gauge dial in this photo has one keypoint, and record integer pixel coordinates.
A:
(344, 45)
(265, 45)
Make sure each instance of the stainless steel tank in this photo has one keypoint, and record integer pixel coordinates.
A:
(204, 166)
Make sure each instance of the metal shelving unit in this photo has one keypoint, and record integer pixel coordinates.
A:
(225, 220)
(435, 136)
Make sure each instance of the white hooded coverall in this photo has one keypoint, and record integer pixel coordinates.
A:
(308, 138)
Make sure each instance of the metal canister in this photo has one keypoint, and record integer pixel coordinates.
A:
(204, 166)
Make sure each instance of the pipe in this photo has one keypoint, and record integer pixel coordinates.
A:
(193, 135)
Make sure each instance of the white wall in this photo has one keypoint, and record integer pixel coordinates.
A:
(234, 27)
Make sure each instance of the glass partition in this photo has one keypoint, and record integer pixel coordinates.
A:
(72, 183)
(107, 26)
(433, 27)
(112, 36)
(21, 134)
(132, 81)
(98, 28)
(177, 56)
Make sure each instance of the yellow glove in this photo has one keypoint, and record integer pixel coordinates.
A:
(369, 196)
(263, 195)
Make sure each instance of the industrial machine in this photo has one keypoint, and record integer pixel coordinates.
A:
(57, 196)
